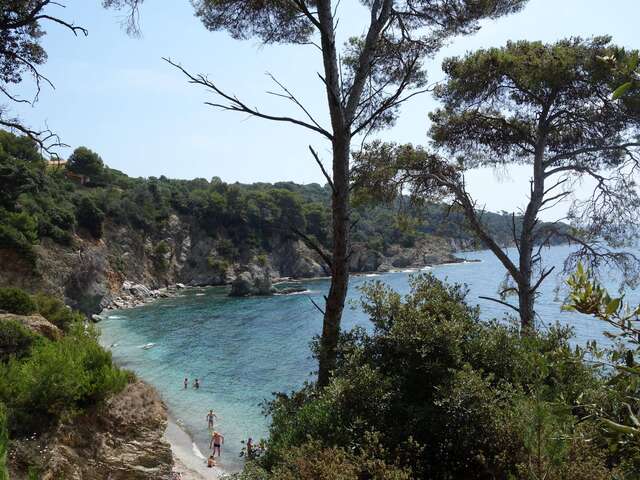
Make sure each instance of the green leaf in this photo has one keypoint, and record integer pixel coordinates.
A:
(621, 90)
(625, 429)
(613, 306)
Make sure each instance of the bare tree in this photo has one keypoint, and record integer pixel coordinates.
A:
(21, 54)
(549, 107)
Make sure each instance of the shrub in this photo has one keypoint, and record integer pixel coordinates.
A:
(218, 265)
(17, 301)
(4, 443)
(159, 256)
(90, 217)
(314, 461)
(447, 392)
(15, 339)
(54, 310)
(59, 378)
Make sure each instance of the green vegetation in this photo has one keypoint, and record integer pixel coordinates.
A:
(54, 310)
(15, 300)
(43, 381)
(39, 200)
(620, 426)
(433, 392)
(4, 444)
(58, 378)
(85, 162)
(19, 302)
(15, 340)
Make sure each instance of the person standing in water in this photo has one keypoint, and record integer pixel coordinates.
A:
(186, 383)
(210, 416)
(196, 384)
(217, 439)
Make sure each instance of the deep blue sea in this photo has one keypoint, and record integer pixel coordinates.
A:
(243, 350)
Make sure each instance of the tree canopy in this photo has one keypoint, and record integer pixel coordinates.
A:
(548, 106)
(22, 55)
(85, 162)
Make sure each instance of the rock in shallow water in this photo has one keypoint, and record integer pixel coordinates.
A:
(252, 283)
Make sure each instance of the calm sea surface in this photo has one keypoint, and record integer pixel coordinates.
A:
(243, 350)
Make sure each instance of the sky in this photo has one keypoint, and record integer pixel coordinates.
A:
(116, 95)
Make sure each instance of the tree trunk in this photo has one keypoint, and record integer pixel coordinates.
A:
(526, 294)
(339, 262)
(526, 301)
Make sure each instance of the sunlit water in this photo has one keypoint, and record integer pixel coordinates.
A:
(243, 350)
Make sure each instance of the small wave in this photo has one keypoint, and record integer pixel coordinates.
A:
(197, 452)
(147, 346)
(303, 292)
(200, 294)
(409, 270)
(113, 345)
(372, 275)
(115, 317)
(425, 269)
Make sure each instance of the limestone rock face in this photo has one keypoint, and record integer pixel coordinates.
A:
(123, 440)
(128, 267)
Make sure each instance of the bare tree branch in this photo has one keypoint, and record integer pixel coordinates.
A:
(236, 105)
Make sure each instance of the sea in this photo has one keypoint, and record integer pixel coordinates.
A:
(243, 350)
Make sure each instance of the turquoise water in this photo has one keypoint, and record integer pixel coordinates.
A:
(243, 350)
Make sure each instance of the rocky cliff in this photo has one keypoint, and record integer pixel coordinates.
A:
(120, 440)
(95, 274)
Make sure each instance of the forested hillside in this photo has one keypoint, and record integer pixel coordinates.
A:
(41, 199)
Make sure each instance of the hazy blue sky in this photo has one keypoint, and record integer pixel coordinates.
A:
(115, 95)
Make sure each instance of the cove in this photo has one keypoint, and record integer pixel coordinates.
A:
(244, 349)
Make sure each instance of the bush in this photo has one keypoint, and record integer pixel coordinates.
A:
(4, 444)
(159, 256)
(17, 301)
(314, 461)
(59, 378)
(90, 217)
(15, 339)
(447, 392)
(56, 311)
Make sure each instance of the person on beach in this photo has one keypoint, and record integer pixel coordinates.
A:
(186, 383)
(217, 439)
(210, 416)
(196, 384)
(250, 451)
(211, 462)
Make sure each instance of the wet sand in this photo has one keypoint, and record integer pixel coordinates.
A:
(189, 461)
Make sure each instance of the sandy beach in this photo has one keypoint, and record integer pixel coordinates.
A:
(189, 461)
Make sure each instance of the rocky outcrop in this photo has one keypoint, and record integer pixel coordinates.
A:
(128, 267)
(35, 323)
(253, 281)
(121, 440)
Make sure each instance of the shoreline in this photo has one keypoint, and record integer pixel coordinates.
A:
(173, 291)
(188, 460)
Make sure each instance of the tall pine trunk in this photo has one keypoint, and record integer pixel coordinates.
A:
(340, 260)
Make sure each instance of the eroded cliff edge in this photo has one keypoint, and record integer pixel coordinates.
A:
(90, 274)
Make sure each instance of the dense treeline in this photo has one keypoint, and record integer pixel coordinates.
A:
(41, 199)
